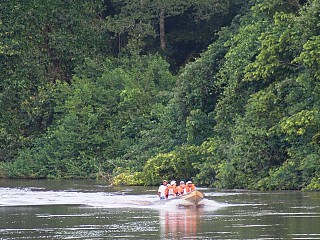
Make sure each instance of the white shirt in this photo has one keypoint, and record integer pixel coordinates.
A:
(162, 191)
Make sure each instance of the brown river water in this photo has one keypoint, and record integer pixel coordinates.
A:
(43, 209)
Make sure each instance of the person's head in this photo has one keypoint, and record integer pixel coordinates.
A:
(189, 183)
(181, 182)
(173, 183)
(165, 182)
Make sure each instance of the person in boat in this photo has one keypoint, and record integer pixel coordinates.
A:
(163, 190)
(181, 188)
(190, 187)
(173, 189)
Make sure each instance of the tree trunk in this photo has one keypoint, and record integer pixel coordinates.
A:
(163, 43)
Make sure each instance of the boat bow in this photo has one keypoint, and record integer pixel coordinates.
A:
(193, 197)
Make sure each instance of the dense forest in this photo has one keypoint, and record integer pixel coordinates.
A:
(223, 92)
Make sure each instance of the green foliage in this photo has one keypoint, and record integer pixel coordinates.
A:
(314, 185)
(271, 7)
(96, 117)
(178, 164)
(285, 177)
(264, 91)
(208, 164)
(244, 114)
(199, 126)
(127, 178)
(188, 26)
(43, 42)
(242, 49)
(3, 170)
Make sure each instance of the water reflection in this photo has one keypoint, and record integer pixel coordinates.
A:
(180, 223)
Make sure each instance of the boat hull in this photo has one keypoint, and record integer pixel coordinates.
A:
(194, 197)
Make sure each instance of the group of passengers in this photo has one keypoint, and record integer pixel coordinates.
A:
(171, 190)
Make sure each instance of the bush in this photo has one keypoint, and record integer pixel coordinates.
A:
(180, 164)
(129, 179)
(314, 185)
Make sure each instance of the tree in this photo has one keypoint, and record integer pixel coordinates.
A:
(179, 29)
(137, 18)
(99, 120)
(260, 156)
(45, 40)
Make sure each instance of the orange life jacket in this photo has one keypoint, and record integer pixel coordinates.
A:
(180, 189)
(172, 189)
(190, 188)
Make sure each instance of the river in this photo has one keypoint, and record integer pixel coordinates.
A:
(47, 209)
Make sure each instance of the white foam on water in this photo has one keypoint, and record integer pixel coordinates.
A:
(180, 204)
(28, 197)
(39, 197)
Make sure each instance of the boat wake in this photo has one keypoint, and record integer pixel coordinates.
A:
(39, 197)
(206, 204)
(35, 197)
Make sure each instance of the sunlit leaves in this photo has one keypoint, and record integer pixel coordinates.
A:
(270, 7)
(299, 122)
(175, 165)
(310, 56)
(279, 46)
